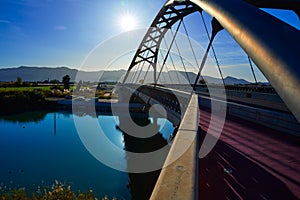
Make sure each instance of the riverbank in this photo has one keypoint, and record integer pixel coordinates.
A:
(57, 191)
(30, 102)
(22, 101)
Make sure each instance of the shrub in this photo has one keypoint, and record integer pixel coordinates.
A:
(56, 191)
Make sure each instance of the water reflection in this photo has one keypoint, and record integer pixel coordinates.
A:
(141, 184)
(35, 116)
(30, 154)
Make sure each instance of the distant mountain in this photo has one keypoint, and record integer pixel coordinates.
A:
(212, 80)
(231, 81)
(48, 73)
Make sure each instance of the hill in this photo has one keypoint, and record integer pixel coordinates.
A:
(47, 73)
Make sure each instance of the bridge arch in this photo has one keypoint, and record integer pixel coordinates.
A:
(272, 44)
(166, 18)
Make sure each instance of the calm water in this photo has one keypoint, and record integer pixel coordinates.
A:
(40, 147)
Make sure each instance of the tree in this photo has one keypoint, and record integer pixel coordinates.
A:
(66, 81)
(54, 81)
(19, 81)
(203, 81)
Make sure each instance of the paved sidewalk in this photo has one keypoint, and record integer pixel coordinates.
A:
(249, 162)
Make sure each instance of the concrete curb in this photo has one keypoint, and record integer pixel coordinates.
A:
(179, 179)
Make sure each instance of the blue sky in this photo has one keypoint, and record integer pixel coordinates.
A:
(63, 32)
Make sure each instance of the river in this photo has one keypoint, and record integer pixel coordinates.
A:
(37, 148)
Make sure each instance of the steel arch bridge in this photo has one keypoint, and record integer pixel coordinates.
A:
(272, 44)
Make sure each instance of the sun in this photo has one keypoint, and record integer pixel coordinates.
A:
(128, 22)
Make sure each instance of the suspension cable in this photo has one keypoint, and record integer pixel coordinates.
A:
(163, 76)
(146, 73)
(193, 51)
(171, 58)
(252, 70)
(166, 57)
(173, 63)
(135, 73)
(204, 59)
(137, 78)
(141, 68)
(213, 49)
(131, 74)
(171, 81)
(161, 54)
(181, 58)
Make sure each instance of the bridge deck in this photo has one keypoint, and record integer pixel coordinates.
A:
(249, 162)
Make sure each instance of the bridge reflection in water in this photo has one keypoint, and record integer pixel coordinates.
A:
(141, 184)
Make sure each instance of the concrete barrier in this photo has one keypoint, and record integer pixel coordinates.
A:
(179, 180)
(284, 122)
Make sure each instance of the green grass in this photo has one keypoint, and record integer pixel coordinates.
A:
(23, 89)
(30, 88)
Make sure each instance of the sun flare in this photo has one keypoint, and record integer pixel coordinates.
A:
(128, 22)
